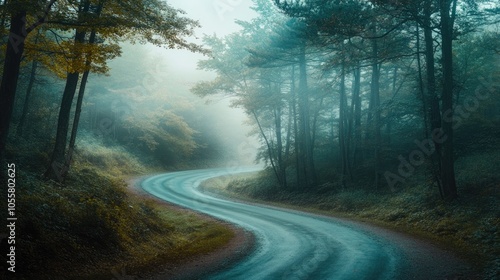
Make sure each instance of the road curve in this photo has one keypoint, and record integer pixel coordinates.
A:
(289, 244)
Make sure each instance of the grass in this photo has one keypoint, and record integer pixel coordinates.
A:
(92, 227)
(469, 226)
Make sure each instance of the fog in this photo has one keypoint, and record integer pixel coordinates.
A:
(382, 111)
(173, 72)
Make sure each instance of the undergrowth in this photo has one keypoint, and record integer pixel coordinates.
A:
(91, 227)
(470, 226)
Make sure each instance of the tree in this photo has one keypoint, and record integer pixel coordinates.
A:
(342, 21)
(128, 19)
(59, 164)
(372, 47)
(448, 13)
(19, 30)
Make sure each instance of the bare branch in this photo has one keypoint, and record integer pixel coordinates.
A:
(42, 19)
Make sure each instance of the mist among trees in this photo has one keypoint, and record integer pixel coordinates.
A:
(86, 103)
(357, 105)
(67, 90)
(364, 94)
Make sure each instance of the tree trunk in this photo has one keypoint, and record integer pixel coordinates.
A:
(269, 148)
(279, 148)
(305, 146)
(421, 86)
(375, 111)
(12, 64)
(315, 122)
(288, 137)
(78, 110)
(27, 99)
(81, 93)
(447, 160)
(356, 99)
(59, 162)
(388, 119)
(432, 97)
(15, 49)
(344, 159)
(296, 140)
(29, 90)
(301, 151)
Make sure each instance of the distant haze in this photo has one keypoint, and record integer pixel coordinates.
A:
(177, 69)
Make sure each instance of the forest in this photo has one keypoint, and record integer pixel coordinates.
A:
(359, 87)
(382, 109)
(77, 124)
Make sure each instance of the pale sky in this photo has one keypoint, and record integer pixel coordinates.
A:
(215, 16)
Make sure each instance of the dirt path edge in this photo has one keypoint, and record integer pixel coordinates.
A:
(198, 267)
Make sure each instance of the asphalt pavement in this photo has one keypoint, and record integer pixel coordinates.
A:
(296, 245)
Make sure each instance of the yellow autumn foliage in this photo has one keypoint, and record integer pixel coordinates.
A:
(137, 21)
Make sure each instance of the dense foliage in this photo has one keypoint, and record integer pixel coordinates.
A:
(75, 134)
(365, 93)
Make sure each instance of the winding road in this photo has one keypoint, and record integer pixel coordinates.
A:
(296, 245)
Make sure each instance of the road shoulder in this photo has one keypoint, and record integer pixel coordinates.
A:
(196, 267)
(421, 259)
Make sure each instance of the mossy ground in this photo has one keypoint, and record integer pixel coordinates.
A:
(91, 227)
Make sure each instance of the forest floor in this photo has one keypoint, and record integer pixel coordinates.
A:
(93, 226)
(469, 227)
